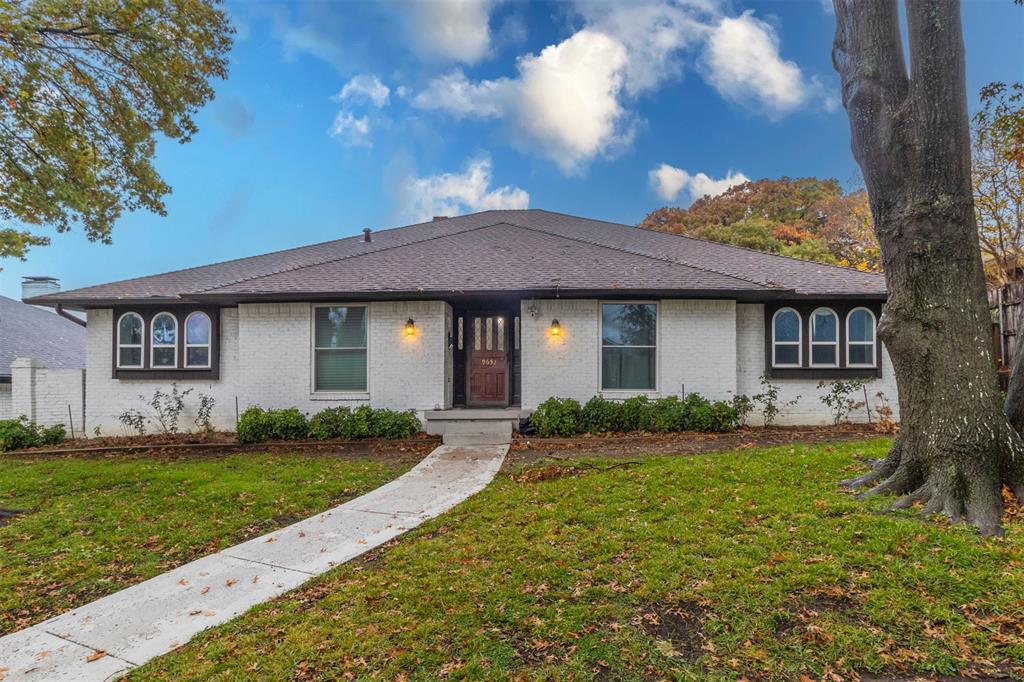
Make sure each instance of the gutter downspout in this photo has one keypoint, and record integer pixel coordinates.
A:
(59, 309)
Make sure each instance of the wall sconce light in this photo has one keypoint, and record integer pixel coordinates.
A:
(410, 327)
(556, 328)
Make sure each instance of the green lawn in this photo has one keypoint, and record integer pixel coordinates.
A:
(748, 564)
(98, 525)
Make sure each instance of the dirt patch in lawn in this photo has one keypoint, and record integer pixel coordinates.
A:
(532, 448)
(7, 515)
(680, 625)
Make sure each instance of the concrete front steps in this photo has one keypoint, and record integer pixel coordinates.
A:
(474, 426)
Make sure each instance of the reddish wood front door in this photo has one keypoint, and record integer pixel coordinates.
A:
(488, 360)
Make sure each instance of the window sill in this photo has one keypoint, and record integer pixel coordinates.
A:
(177, 374)
(820, 373)
(339, 395)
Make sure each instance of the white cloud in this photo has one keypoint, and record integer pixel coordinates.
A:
(668, 182)
(451, 194)
(351, 130)
(449, 30)
(365, 88)
(742, 62)
(462, 98)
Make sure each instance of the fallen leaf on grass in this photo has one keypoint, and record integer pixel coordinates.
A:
(95, 656)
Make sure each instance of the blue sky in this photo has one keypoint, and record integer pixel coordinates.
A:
(340, 116)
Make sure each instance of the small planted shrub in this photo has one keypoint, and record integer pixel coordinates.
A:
(329, 423)
(669, 414)
(768, 399)
(257, 425)
(601, 416)
(557, 417)
(22, 433)
(743, 405)
(359, 424)
(637, 414)
(392, 424)
(716, 417)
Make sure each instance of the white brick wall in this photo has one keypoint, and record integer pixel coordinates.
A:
(697, 347)
(266, 360)
(48, 396)
(566, 366)
(750, 365)
(5, 401)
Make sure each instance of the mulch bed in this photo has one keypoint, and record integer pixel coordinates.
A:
(533, 448)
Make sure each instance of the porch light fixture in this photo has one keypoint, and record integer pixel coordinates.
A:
(410, 327)
(556, 328)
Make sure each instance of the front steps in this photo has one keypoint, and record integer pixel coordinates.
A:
(474, 426)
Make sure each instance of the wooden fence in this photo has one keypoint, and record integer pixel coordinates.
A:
(1005, 304)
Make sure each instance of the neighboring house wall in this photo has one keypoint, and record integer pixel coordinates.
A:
(266, 359)
(48, 396)
(5, 401)
(750, 366)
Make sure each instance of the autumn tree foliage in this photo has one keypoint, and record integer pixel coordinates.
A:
(85, 89)
(806, 218)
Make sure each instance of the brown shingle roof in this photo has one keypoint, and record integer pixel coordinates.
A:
(528, 250)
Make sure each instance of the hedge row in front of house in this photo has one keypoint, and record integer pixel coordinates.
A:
(566, 417)
(257, 425)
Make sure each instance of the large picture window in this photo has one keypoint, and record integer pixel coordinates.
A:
(339, 348)
(629, 346)
(786, 337)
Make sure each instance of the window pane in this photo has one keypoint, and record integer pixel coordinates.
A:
(628, 368)
(197, 329)
(130, 357)
(787, 326)
(488, 335)
(823, 355)
(787, 354)
(862, 354)
(476, 333)
(340, 370)
(501, 333)
(628, 324)
(164, 330)
(130, 330)
(197, 357)
(163, 357)
(341, 327)
(862, 327)
(824, 326)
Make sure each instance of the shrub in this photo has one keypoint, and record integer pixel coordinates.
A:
(393, 424)
(601, 416)
(637, 414)
(329, 423)
(557, 417)
(716, 417)
(838, 399)
(359, 424)
(21, 433)
(257, 425)
(669, 414)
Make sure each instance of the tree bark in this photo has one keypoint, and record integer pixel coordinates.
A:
(910, 136)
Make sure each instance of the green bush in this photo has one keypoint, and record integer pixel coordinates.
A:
(669, 414)
(257, 425)
(716, 417)
(392, 424)
(557, 417)
(601, 416)
(359, 424)
(21, 433)
(637, 414)
(329, 423)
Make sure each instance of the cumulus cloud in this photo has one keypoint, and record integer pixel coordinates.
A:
(742, 62)
(365, 88)
(669, 182)
(449, 30)
(457, 95)
(456, 193)
(352, 130)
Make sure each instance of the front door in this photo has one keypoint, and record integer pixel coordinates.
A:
(488, 360)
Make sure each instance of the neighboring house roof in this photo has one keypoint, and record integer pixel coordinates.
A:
(531, 251)
(28, 332)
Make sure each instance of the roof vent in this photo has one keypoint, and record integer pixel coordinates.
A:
(440, 217)
(366, 235)
(38, 286)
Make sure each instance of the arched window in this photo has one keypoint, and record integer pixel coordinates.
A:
(164, 351)
(860, 338)
(824, 338)
(786, 338)
(130, 330)
(197, 340)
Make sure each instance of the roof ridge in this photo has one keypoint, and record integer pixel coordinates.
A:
(325, 261)
(845, 268)
(647, 255)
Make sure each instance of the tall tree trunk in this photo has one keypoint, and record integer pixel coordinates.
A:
(910, 137)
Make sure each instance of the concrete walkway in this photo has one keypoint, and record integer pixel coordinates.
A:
(103, 639)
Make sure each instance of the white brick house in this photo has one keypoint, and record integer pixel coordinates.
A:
(500, 309)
